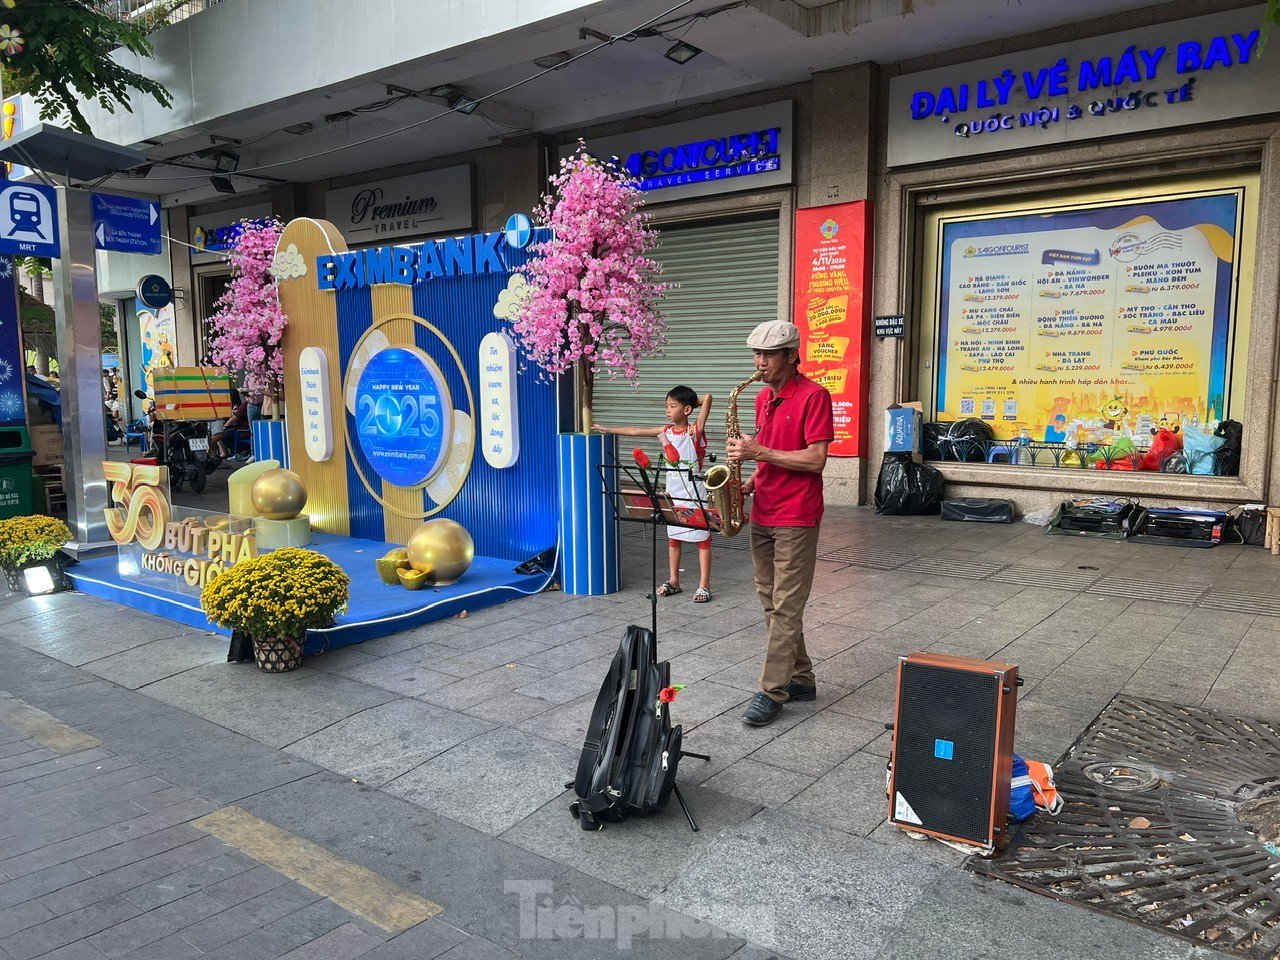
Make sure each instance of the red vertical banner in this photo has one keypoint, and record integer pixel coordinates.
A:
(831, 307)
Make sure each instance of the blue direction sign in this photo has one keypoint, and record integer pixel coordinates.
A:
(126, 224)
(29, 221)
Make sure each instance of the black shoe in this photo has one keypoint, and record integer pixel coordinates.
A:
(761, 711)
(801, 692)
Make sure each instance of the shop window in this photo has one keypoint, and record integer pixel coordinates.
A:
(1069, 330)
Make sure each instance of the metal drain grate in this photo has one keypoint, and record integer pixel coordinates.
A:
(1266, 606)
(951, 567)
(1054, 578)
(1177, 857)
(861, 557)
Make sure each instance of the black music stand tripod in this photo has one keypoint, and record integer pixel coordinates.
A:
(642, 502)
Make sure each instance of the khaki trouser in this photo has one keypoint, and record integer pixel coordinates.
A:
(784, 558)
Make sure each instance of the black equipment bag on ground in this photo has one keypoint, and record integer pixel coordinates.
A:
(1251, 525)
(1184, 528)
(907, 486)
(978, 509)
(1095, 517)
(628, 762)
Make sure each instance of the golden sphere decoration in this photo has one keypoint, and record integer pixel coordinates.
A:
(279, 495)
(442, 549)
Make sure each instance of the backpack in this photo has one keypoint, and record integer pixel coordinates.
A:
(629, 759)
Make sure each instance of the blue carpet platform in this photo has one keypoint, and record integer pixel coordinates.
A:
(375, 610)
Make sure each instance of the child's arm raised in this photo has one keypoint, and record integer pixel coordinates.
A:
(629, 431)
(704, 413)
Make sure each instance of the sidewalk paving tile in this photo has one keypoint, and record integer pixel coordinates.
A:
(382, 743)
(799, 885)
(492, 781)
(68, 928)
(641, 855)
(275, 710)
(156, 924)
(159, 659)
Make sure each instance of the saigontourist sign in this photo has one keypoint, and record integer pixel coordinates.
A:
(740, 150)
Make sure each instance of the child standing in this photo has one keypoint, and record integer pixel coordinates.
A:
(684, 444)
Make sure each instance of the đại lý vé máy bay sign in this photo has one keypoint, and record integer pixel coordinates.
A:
(1168, 75)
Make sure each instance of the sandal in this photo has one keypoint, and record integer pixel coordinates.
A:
(667, 590)
(702, 596)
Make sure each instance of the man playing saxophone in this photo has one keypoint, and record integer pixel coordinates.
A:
(793, 430)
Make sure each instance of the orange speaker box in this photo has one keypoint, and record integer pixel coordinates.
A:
(953, 747)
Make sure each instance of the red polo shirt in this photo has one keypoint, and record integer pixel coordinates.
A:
(797, 415)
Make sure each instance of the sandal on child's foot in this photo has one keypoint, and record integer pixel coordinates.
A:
(702, 596)
(669, 589)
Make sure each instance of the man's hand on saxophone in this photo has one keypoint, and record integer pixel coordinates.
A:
(743, 448)
(812, 459)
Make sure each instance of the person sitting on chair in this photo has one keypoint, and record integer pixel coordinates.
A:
(235, 426)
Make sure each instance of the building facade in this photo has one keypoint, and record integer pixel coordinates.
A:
(1075, 221)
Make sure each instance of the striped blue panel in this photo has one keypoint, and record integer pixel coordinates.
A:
(510, 513)
(270, 441)
(589, 550)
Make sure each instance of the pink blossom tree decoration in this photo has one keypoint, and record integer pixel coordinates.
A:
(248, 325)
(593, 288)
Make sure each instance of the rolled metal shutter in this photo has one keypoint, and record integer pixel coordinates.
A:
(728, 282)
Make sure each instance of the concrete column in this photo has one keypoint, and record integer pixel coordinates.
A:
(75, 304)
(522, 181)
(842, 169)
(288, 201)
(184, 292)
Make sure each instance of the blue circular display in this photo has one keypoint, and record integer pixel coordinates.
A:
(403, 416)
(154, 291)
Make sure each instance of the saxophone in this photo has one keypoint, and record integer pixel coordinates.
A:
(724, 481)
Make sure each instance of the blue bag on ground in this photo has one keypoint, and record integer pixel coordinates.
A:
(1199, 449)
(1022, 799)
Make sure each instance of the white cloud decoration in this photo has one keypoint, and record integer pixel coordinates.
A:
(288, 264)
(511, 299)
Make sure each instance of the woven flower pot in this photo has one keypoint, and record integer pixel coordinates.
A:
(279, 655)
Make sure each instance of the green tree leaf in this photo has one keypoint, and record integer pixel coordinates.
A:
(68, 59)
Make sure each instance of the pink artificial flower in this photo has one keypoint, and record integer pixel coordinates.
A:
(248, 324)
(594, 292)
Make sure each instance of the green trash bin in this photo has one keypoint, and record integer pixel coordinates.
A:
(15, 472)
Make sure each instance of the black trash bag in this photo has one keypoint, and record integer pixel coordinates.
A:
(931, 441)
(1227, 457)
(907, 487)
(962, 441)
(240, 649)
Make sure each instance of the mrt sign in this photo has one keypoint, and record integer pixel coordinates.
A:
(28, 220)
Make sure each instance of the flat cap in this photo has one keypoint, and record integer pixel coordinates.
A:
(774, 335)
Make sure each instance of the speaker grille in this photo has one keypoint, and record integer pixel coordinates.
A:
(946, 750)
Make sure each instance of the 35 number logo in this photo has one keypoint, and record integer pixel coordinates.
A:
(144, 510)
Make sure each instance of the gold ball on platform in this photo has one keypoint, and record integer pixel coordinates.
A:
(442, 549)
(279, 495)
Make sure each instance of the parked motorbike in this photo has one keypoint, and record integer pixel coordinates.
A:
(183, 447)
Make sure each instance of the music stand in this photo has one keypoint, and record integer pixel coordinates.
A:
(636, 497)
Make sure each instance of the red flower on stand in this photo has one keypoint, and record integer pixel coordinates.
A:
(671, 454)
